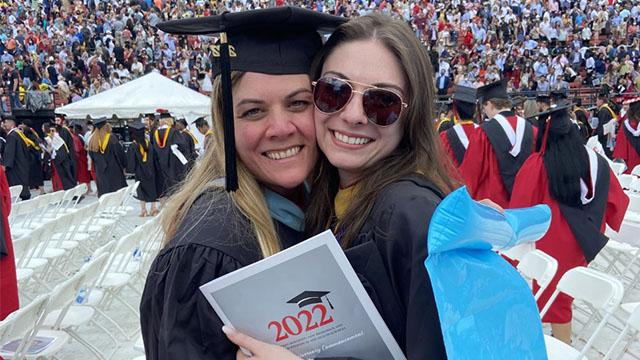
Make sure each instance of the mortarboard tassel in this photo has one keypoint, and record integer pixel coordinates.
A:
(227, 115)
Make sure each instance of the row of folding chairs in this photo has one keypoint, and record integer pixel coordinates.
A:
(600, 293)
(29, 214)
(46, 324)
(620, 167)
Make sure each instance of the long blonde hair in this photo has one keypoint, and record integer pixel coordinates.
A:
(98, 137)
(248, 199)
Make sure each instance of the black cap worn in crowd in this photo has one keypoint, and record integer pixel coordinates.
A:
(495, 90)
(544, 97)
(559, 120)
(275, 41)
(137, 125)
(465, 94)
(100, 122)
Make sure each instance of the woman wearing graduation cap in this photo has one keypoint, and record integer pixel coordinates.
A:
(628, 139)
(108, 158)
(584, 195)
(140, 162)
(263, 73)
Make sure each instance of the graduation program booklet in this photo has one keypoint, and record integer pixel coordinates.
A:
(307, 299)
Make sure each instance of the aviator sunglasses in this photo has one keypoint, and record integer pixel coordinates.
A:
(382, 107)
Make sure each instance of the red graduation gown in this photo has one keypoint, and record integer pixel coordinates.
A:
(480, 169)
(531, 188)
(8, 281)
(82, 171)
(624, 149)
(469, 129)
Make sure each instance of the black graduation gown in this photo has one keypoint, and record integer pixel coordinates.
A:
(64, 168)
(65, 134)
(604, 116)
(191, 154)
(36, 174)
(168, 166)
(110, 167)
(144, 171)
(388, 256)
(17, 159)
(177, 322)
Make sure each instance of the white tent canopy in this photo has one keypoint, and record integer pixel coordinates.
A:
(141, 96)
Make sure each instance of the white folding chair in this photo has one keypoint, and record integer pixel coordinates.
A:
(633, 323)
(599, 290)
(621, 253)
(634, 187)
(15, 191)
(625, 180)
(71, 317)
(539, 266)
(518, 251)
(17, 329)
(618, 167)
(636, 170)
(22, 215)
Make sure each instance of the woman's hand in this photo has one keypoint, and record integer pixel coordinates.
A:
(490, 203)
(259, 349)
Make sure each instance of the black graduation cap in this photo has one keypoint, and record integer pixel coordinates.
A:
(560, 120)
(182, 121)
(73, 123)
(543, 97)
(198, 120)
(465, 94)
(163, 113)
(495, 90)
(137, 125)
(308, 297)
(99, 122)
(276, 41)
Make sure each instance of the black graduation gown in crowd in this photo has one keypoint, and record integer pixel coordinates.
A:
(65, 134)
(144, 170)
(169, 168)
(63, 164)
(36, 173)
(604, 116)
(110, 167)
(191, 154)
(17, 160)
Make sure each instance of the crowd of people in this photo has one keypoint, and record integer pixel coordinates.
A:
(77, 49)
(354, 117)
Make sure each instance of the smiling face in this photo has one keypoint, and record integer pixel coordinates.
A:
(347, 138)
(274, 131)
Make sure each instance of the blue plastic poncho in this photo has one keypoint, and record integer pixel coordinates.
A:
(486, 309)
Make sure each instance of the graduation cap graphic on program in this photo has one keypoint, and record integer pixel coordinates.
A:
(308, 297)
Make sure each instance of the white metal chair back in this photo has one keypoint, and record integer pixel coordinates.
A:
(636, 170)
(15, 191)
(63, 295)
(598, 289)
(94, 268)
(121, 255)
(21, 324)
(30, 243)
(618, 167)
(626, 180)
(635, 185)
(518, 252)
(19, 211)
(67, 200)
(634, 202)
(538, 266)
(633, 323)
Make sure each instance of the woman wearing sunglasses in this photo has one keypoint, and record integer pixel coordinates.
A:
(383, 172)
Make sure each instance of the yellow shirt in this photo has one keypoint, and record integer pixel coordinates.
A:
(343, 200)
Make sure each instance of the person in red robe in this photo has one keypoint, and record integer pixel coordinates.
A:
(583, 194)
(82, 169)
(8, 280)
(498, 148)
(628, 139)
(456, 139)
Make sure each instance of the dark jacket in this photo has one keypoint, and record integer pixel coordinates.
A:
(395, 235)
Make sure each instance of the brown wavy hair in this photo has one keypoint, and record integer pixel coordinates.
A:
(419, 152)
